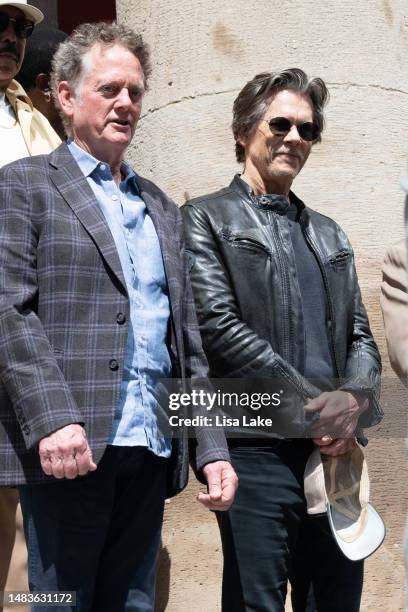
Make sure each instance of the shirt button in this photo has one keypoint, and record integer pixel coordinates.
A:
(113, 365)
(114, 198)
(102, 167)
(120, 318)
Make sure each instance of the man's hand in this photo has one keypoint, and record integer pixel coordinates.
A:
(222, 483)
(335, 447)
(338, 413)
(65, 453)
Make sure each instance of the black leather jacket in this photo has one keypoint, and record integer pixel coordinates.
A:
(243, 272)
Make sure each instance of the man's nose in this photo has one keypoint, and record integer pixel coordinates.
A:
(9, 34)
(123, 99)
(293, 135)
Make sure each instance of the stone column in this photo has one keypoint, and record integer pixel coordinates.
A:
(203, 53)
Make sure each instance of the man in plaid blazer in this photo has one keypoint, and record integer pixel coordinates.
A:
(95, 307)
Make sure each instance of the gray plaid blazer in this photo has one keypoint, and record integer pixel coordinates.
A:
(62, 301)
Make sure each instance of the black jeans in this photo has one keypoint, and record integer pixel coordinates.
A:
(268, 538)
(98, 535)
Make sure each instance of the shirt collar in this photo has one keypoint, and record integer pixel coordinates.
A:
(130, 176)
(15, 93)
(90, 165)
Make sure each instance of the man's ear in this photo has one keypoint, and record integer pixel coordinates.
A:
(66, 98)
(42, 82)
(242, 140)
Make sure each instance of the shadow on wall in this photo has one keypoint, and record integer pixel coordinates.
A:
(163, 580)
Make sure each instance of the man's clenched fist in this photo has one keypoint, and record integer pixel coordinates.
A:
(65, 453)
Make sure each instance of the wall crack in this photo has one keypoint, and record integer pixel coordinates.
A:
(151, 111)
(348, 84)
(345, 84)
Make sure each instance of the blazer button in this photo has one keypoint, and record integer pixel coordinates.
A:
(113, 365)
(120, 318)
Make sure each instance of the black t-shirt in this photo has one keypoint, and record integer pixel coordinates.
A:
(319, 366)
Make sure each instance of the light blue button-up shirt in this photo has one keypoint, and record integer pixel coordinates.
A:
(147, 359)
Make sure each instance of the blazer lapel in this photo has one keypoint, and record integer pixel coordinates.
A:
(164, 225)
(166, 233)
(73, 187)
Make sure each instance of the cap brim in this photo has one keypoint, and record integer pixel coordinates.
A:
(368, 541)
(31, 12)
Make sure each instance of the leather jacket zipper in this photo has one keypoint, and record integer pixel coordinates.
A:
(339, 260)
(287, 332)
(315, 251)
(247, 243)
(340, 256)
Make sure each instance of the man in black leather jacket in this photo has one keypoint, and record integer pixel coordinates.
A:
(278, 299)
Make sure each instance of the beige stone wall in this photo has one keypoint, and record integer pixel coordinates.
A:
(203, 52)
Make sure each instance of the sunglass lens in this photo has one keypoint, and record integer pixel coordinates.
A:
(308, 131)
(24, 29)
(279, 125)
(4, 21)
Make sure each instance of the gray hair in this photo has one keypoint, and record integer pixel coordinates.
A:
(69, 63)
(253, 100)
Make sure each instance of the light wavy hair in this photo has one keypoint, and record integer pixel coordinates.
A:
(71, 61)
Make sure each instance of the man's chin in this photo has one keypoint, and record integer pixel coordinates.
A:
(120, 135)
(121, 140)
(290, 168)
(289, 171)
(8, 70)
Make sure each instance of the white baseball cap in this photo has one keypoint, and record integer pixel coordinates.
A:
(31, 12)
(340, 487)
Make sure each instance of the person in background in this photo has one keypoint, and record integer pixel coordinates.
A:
(394, 305)
(23, 131)
(34, 75)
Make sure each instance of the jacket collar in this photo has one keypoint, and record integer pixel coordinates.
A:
(272, 201)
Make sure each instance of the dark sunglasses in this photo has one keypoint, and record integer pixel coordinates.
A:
(22, 27)
(280, 126)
